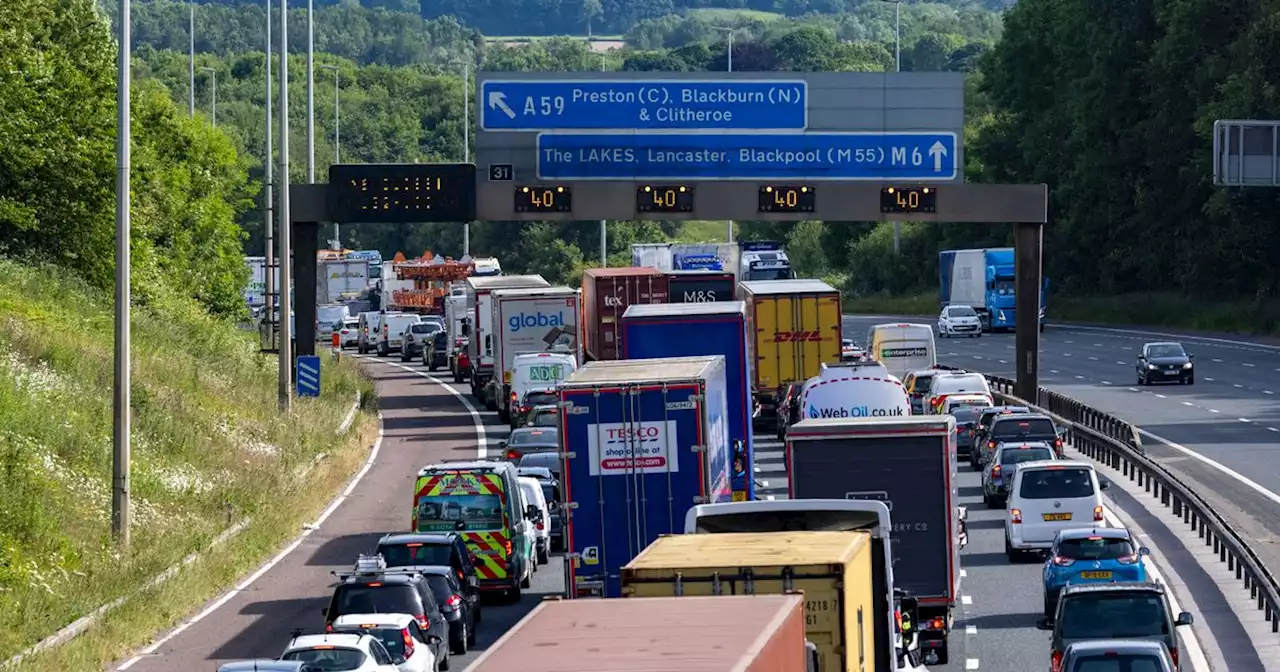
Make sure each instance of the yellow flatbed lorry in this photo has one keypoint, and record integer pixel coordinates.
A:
(793, 328)
(834, 570)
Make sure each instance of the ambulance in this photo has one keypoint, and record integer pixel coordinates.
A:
(482, 502)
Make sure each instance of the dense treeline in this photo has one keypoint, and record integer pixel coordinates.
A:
(58, 164)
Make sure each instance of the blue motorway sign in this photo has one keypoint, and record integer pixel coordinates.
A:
(595, 104)
(834, 156)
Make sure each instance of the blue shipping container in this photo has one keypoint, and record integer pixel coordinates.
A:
(692, 329)
(644, 441)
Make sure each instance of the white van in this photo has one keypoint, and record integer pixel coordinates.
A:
(902, 348)
(1048, 496)
(947, 384)
(539, 371)
(391, 331)
(854, 390)
(533, 495)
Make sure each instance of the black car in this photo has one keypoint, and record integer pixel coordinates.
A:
(1023, 428)
(978, 456)
(457, 607)
(1121, 610)
(966, 425)
(528, 440)
(436, 356)
(532, 399)
(449, 549)
(551, 492)
(1165, 361)
(374, 588)
(550, 461)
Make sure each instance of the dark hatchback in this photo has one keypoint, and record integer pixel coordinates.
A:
(415, 549)
(550, 461)
(436, 356)
(390, 592)
(966, 427)
(1022, 428)
(530, 440)
(531, 400)
(1133, 611)
(458, 608)
(551, 492)
(1165, 362)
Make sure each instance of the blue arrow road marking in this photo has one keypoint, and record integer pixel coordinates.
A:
(850, 156)
(727, 104)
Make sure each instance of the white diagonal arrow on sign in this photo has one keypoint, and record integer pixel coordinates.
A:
(937, 151)
(498, 100)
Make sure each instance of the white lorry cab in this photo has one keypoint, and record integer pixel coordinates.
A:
(902, 348)
(854, 390)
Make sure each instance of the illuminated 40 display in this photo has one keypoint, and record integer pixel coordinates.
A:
(544, 198)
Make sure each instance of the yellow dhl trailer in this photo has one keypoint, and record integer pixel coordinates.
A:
(793, 328)
(833, 569)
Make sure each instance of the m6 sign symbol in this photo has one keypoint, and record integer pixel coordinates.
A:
(796, 336)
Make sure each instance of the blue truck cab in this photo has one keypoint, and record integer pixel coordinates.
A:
(692, 329)
(643, 441)
(984, 280)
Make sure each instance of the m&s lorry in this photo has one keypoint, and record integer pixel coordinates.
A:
(793, 328)
(908, 464)
(690, 329)
(481, 332)
(983, 279)
(644, 441)
(530, 320)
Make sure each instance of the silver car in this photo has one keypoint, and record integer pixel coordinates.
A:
(1107, 655)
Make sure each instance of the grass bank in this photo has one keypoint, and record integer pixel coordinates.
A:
(1261, 318)
(209, 450)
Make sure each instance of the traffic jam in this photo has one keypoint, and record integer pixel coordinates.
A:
(635, 419)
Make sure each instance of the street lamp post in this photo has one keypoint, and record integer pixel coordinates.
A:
(311, 95)
(191, 58)
(213, 103)
(466, 140)
(285, 389)
(897, 57)
(121, 414)
(337, 135)
(268, 200)
(728, 226)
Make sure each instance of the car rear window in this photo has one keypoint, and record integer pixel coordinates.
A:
(545, 419)
(440, 587)
(329, 660)
(1012, 428)
(391, 638)
(1051, 483)
(416, 553)
(423, 328)
(1096, 548)
(549, 460)
(966, 413)
(360, 598)
(1019, 455)
(1117, 662)
(541, 436)
(1114, 615)
(539, 398)
(921, 384)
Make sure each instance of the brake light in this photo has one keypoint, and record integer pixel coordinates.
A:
(540, 525)
(423, 621)
(1097, 513)
(995, 471)
(328, 627)
(937, 624)
(1173, 653)
(1015, 516)
(1057, 443)
(1056, 661)
(1063, 562)
(386, 329)
(514, 398)
(991, 445)
(1128, 559)
(454, 601)
(897, 617)
(506, 546)
(513, 454)
(413, 544)
(408, 642)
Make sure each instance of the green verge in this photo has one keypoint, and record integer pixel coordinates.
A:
(1260, 318)
(210, 449)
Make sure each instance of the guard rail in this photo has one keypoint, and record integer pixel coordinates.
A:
(1105, 438)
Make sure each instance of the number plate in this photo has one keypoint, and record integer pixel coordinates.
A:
(1095, 575)
(1057, 516)
(547, 374)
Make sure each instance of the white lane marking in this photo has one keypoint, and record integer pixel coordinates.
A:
(1217, 361)
(1066, 354)
(1093, 359)
(1187, 403)
(1003, 362)
(1119, 362)
(1214, 410)
(1071, 341)
(1053, 370)
(1268, 392)
(1106, 382)
(1249, 365)
(1194, 651)
(1161, 396)
(1209, 379)
(1097, 345)
(482, 439)
(1207, 339)
(1237, 385)
(1216, 465)
(307, 531)
(1079, 377)
(1133, 389)
(970, 663)
(1273, 429)
(970, 629)
(966, 599)
(977, 356)
(1244, 419)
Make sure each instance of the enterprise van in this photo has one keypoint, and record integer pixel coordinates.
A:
(902, 348)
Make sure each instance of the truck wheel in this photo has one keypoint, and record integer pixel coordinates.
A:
(942, 653)
(503, 415)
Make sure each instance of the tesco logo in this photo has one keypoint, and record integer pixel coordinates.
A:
(529, 321)
(641, 434)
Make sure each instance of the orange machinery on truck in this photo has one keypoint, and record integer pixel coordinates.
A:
(422, 284)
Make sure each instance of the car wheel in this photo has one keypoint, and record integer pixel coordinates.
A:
(1191, 380)
(1009, 552)
(404, 354)
(431, 365)
(513, 595)
(524, 583)
(471, 632)
(1142, 380)
(444, 661)
(459, 646)
(1049, 606)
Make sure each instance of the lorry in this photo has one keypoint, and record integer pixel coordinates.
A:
(643, 441)
(340, 280)
(530, 320)
(681, 330)
(764, 260)
(909, 464)
(746, 260)
(708, 634)
(793, 328)
(480, 331)
(893, 645)
(606, 294)
(833, 569)
(983, 279)
(701, 286)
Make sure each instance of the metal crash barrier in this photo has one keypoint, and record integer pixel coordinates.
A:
(1111, 441)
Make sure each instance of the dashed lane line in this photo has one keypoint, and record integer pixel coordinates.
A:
(966, 600)
(971, 664)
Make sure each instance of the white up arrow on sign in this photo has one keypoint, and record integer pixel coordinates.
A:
(498, 100)
(937, 151)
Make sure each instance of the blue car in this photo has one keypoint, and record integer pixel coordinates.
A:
(1091, 555)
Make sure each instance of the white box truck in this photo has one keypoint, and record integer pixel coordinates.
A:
(537, 319)
(481, 339)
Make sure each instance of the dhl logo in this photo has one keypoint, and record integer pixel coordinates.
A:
(797, 336)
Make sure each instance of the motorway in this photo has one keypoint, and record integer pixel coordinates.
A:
(423, 422)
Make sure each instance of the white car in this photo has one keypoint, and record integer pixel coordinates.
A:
(408, 646)
(957, 401)
(850, 351)
(1047, 496)
(959, 321)
(534, 496)
(946, 384)
(353, 652)
(349, 334)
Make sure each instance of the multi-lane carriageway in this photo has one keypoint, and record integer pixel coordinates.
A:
(1213, 432)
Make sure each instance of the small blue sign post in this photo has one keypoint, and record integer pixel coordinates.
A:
(829, 156)
(647, 105)
(308, 376)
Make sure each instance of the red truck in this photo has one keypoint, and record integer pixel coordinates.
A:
(606, 294)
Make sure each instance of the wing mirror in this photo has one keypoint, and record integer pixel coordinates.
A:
(1190, 356)
(1104, 484)
(324, 611)
(1144, 551)
(502, 445)
(1184, 618)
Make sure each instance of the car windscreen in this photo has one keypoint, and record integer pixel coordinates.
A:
(416, 553)
(328, 660)
(1050, 483)
(540, 398)
(1117, 662)
(541, 437)
(1096, 548)
(391, 638)
(1017, 428)
(962, 311)
(1171, 350)
(1113, 615)
(1018, 455)
(463, 513)
(362, 598)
